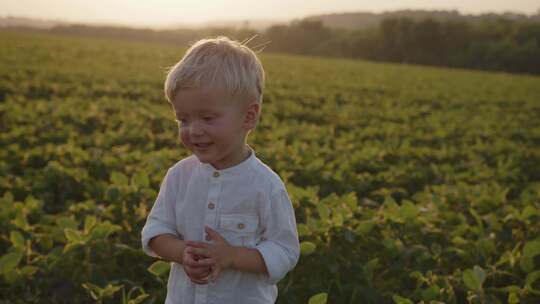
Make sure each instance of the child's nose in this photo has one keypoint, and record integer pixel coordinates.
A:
(195, 130)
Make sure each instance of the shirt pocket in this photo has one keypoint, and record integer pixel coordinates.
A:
(239, 229)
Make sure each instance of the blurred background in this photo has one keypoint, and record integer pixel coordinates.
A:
(407, 134)
(492, 35)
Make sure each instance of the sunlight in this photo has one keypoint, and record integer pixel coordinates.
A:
(160, 13)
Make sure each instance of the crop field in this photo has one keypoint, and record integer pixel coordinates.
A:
(410, 184)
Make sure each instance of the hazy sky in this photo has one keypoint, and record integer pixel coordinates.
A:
(168, 12)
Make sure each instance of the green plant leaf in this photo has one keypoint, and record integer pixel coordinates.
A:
(513, 298)
(324, 211)
(21, 222)
(478, 220)
(530, 280)
(11, 276)
(431, 293)
(71, 246)
(307, 248)
(528, 212)
(73, 236)
(9, 261)
(17, 239)
(303, 230)
(486, 246)
(66, 222)
(112, 193)
(337, 219)
(89, 223)
(532, 249)
(28, 270)
(119, 179)
(365, 227)
(319, 298)
(103, 230)
(480, 274)
(474, 278)
(400, 300)
(159, 268)
(408, 211)
(392, 210)
(138, 299)
(140, 180)
(526, 263)
(110, 290)
(94, 290)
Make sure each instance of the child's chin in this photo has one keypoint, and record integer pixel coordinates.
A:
(202, 158)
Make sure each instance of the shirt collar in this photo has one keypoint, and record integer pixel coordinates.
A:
(234, 170)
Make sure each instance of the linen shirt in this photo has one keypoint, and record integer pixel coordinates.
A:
(248, 205)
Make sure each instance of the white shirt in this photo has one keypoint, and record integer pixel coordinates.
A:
(248, 205)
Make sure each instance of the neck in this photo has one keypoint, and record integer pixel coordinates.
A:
(243, 153)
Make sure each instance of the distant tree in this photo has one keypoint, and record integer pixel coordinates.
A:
(303, 37)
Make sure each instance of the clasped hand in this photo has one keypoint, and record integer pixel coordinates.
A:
(203, 262)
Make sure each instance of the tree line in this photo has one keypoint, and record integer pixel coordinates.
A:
(497, 45)
(494, 44)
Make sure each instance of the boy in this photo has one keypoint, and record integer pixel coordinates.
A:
(222, 217)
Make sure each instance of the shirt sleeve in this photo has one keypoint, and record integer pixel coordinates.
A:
(161, 219)
(279, 245)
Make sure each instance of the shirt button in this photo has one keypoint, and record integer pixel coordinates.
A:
(240, 226)
(207, 237)
(211, 206)
(216, 174)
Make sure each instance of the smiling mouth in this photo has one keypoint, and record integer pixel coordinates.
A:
(202, 145)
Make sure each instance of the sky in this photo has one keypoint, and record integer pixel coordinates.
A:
(162, 13)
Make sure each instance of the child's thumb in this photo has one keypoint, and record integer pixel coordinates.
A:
(214, 235)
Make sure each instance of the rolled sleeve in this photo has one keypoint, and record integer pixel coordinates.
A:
(161, 219)
(279, 247)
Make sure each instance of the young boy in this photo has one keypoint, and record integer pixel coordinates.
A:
(222, 217)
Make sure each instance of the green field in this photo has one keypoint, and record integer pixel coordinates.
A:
(410, 184)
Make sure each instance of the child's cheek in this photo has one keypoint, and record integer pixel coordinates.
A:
(184, 136)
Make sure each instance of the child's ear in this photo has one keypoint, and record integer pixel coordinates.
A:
(252, 115)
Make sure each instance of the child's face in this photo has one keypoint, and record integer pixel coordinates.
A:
(211, 126)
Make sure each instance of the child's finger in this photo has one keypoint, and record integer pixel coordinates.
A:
(198, 281)
(190, 249)
(190, 263)
(203, 252)
(195, 244)
(189, 260)
(199, 272)
(189, 252)
(197, 275)
(214, 235)
(206, 262)
(203, 272)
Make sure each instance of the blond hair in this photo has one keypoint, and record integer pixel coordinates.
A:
(218, 63)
